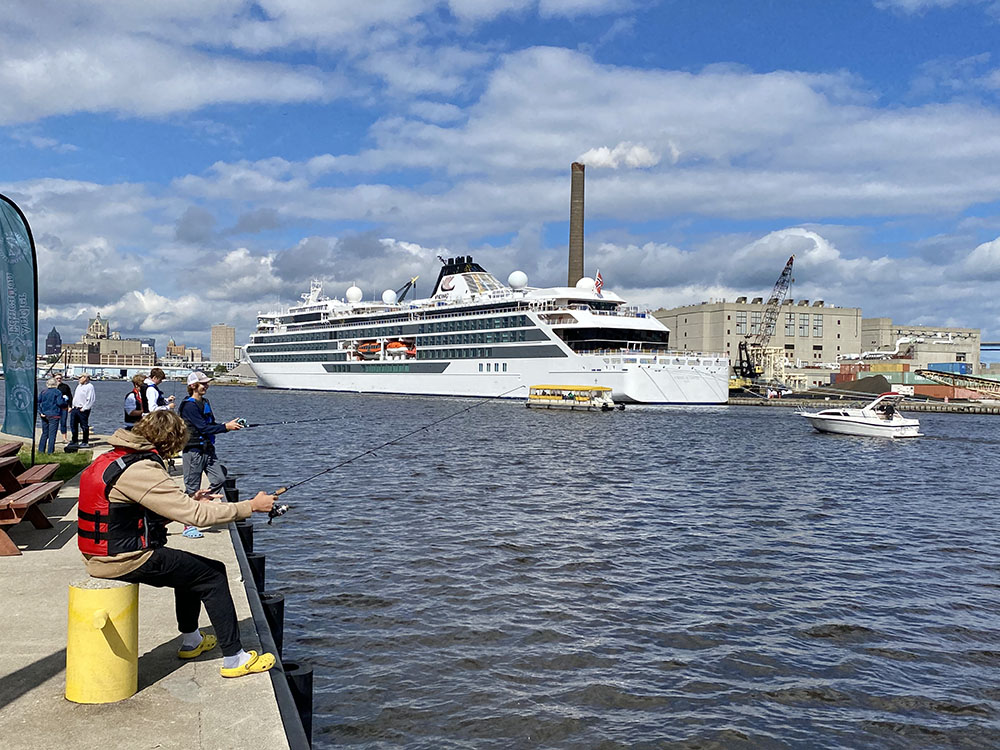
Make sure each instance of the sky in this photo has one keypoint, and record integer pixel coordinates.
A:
(196, 162)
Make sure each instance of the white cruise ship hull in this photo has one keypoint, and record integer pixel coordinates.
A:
(644, 379)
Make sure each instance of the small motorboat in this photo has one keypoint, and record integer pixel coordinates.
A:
(880, 418)
(572, 397)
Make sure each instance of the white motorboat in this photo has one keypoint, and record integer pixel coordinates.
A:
(880, 418)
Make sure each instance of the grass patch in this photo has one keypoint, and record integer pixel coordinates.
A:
(70, 464)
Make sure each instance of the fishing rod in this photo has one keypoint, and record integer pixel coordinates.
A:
(244, 423)
(283, 509)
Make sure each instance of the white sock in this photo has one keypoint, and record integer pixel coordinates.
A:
(190, 641)
(236, 660)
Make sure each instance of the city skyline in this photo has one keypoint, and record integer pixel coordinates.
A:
(205, 162)
(66, 339)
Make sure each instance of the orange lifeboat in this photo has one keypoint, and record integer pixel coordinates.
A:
(395, 345)
(370, 349)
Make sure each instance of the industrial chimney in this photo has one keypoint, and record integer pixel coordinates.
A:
(576, 225)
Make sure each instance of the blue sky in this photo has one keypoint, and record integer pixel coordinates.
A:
(195, 162)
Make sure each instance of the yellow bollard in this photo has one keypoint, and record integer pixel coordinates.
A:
(102, 645)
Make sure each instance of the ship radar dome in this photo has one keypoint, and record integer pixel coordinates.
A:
(586, 283)
(389, 297)
(354, 294)
(517, 279)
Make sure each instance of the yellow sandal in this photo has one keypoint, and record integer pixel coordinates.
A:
(256, 663)
(208, 642)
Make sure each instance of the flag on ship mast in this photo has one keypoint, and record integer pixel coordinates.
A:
(18, 320)
(598, 283)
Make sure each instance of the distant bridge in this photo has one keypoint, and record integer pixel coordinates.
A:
(989, 346)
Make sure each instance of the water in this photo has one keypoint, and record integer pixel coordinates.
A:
(654, 578)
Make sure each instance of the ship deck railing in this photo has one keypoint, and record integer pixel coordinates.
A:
(417, 315)
(648, 354)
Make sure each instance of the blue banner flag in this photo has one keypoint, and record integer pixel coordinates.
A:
(18, 319)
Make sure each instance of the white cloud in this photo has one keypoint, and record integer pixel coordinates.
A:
(631, 155)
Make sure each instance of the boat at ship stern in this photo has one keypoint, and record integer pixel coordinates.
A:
(475, 336)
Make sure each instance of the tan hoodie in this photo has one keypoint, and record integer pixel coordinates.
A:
(148, 484)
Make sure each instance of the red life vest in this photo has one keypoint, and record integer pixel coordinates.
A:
(105, 528)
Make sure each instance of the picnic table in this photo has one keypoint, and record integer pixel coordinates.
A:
(20, 492)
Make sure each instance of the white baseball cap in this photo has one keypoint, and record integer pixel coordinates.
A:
(198, 377)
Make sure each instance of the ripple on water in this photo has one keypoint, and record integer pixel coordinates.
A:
(669, 577)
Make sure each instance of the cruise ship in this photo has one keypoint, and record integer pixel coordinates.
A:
(475, 336)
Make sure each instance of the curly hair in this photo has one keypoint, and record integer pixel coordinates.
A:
(164, 429)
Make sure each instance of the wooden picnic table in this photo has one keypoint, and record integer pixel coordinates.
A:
(20, 492)
(10, 449)
(10, 467)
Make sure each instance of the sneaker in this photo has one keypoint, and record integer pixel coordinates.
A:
(257, 663)
(84, 445)
(191, 532)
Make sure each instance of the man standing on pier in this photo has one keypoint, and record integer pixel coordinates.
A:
(83, 402)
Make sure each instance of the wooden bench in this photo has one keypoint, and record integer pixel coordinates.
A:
(37, 473)
(9, 449)
(22, 505)
(10, 467)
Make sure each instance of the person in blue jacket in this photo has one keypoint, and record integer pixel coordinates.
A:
(199, 454)
(50, 405)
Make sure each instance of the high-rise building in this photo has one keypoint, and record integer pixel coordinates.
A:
(223, 342)
(53, 342)
(175, 350)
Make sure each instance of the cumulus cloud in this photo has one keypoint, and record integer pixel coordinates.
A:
(624, 154)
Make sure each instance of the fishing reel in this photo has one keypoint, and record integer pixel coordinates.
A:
(241, 422)
(278, 510)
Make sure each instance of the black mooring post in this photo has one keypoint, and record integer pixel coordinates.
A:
(245, 530)
(274, 612)
(300, 682)
(229, 488)
(257, 567)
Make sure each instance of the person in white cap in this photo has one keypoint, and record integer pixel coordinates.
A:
(199, 454)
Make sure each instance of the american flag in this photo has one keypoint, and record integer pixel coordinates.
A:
(598, 283)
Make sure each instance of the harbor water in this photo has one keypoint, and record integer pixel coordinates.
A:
(655, 578)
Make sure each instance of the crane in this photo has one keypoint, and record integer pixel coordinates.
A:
(751, 349)
(401, 292)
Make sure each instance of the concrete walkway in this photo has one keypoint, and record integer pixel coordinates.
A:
(180, 704)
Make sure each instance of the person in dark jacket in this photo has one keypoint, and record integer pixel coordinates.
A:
(65, 390)
(199, 454)
(50, 407)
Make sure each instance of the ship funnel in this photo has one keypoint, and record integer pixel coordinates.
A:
(575, 225)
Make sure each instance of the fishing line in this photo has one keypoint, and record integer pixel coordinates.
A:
(244, 423)
(282, 509)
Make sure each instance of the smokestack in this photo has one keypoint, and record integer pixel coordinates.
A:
(576, 225)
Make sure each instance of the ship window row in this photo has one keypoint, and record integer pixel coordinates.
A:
(292, 347)
(473, 324)
(368, 368)
(371, 332)
(300, 318)
(472, 353)
(324, 357)
(479, 338)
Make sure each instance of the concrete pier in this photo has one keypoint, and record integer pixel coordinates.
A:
(179, 704)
